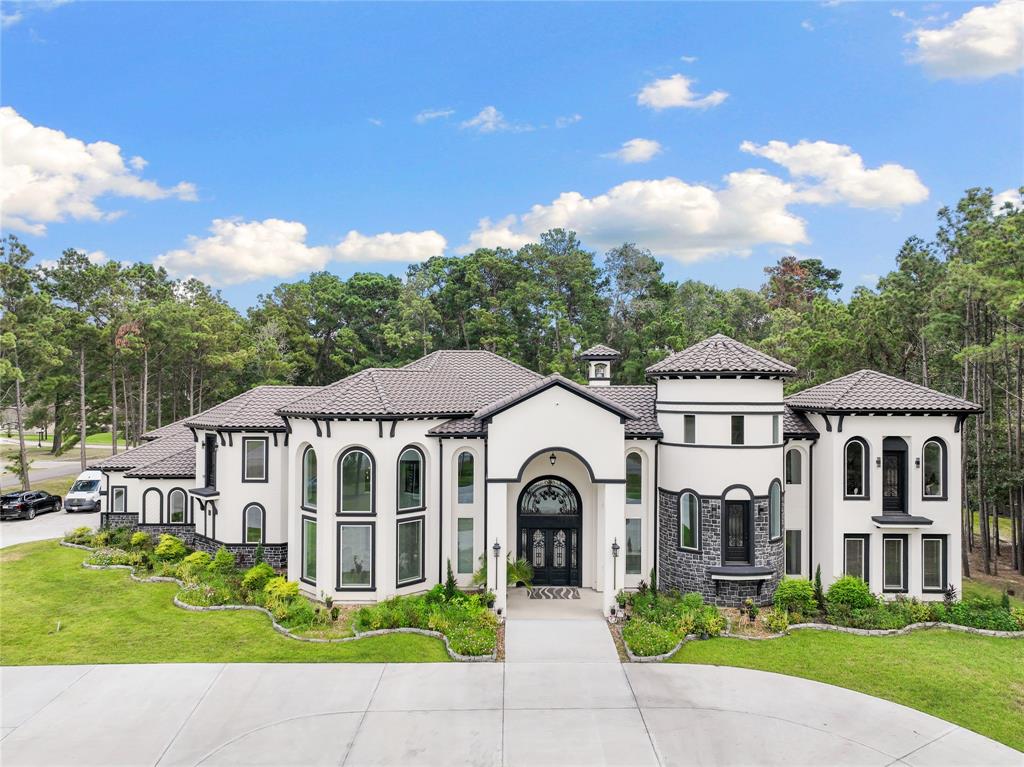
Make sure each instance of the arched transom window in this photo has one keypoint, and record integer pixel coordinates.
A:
(856, 469)
(356, 483)
(176, 506)
(465, 477)
(634, 478)
(794, 467)
(934, 475)
(309, 479)
(410, 480)
(549, 496)
(253, 523)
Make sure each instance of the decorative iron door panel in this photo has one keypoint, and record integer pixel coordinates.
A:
(736, 532)
(893, 481)
(550, 531)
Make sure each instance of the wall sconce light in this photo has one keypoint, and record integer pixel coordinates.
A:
(878, 461)
(552, 459)
(917, 462)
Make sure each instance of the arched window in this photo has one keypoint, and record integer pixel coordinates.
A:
(465, 477)
(934, 475)
(252, 519)
(176, 506)
(856, 461)
(309, 479)
(549, 495)
(410, 480)
(600, 370)
(689, 521)
(634, 478)
(794, 467)
(775, 510)
(355, 472)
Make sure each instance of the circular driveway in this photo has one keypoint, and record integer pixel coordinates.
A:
(51, 525)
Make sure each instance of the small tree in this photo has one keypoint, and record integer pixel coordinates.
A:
(451, 587)
(257, 555)
(819, 593)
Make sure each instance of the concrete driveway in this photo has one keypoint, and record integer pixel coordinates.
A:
(51, 525)
(525, 712)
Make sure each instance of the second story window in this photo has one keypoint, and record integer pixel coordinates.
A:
(689, 429)
(794, 467)
(933, 467)
(737, 430)
(210, 461)
(356, 472)
(309, 479)
(410, 480)
(465, 477)
(856, 461)
(254, 459)
(775, 430)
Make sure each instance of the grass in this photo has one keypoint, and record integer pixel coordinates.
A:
(58, 486)
(975, 589)
(105, 617)
(976, 682)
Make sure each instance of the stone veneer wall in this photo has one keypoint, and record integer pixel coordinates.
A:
(274, 554)
(687, 570)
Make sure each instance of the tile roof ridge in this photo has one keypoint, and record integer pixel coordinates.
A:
(385, 403)
(857, 378)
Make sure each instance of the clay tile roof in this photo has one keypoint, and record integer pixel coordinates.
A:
(639, 399)
(796, 424)
(720, 354)
(175, 438)
(459, 427)
(555, 379)
(253, 409)
(600, 352)
(869, 390)
(450, 382)
(180, 464)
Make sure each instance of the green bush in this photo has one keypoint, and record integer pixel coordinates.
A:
(693, 600)
(170, 548)
(850, 591)
(981, 614)
(646, 639)
(256, 577)
(191, 566)
(281, 589)
(709, 621)
(107, 556)
(223, 562)
(80, 535)
(1018, 615)
(298, 614)
(206, 594)
(795, 595)
(470, 627)
(140, 540)
(776, 619)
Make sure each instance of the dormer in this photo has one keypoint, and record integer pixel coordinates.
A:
(600, 359)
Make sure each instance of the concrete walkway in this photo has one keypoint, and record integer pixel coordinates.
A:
(523, 712)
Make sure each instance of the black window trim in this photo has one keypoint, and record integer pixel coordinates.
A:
(694, 421)
(782, 520)
(423, 481)
(339, 511)
(472, 547)
(302, 479)
(904, 539)
(943, 563)
(865, 538)
(640, 456)
(422, 519)
(302, 548)
(944, 465)
(787, 473)
(799, 552)
(373, 554)
(185, 506)
(866, 470)
(732, 429)
(679, 522)
(245, 523)
(458, 476)
(160, 507)
(266, 459)
(124, 496)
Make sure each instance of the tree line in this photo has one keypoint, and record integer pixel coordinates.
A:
(123, 349)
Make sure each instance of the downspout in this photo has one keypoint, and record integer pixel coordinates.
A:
(810, 510)
(440, 507)
(657, 503)
(486, 487)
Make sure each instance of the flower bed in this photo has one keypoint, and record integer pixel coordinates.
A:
(659, 622)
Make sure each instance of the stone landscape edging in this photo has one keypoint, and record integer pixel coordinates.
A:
(277, 626)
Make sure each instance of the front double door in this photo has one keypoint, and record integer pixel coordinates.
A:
(552, 549)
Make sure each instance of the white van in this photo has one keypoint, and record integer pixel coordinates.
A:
(84, 495)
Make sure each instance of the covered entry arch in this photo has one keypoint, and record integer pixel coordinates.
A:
(550, 530)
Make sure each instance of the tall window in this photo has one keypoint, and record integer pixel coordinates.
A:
(934, 469)
(775, 510)
(794, 467)
(634, 546)
(410, 551)
(309, 549)
(634, 478)
(689, 429)
(410, 480)
(355, 555)
(856, 469)
(176, 506)
(117, 499)
(356, 483)
(689, 521)
(793, 552)
(466, 477)
(933, 563)
(465, 545)
(253, 523)
(855, 556)
(893, 563)
(254, 459)
(737, 430)
(309, 479)
(775, 430)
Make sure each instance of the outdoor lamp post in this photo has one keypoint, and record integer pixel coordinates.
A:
(615, 556)
(496, 548)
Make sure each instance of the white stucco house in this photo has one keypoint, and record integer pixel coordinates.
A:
(367, 487)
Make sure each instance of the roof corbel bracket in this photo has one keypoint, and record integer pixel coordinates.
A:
(316, 424)
(223, 442)
(839, 426)
(394, 425)
(828, 423)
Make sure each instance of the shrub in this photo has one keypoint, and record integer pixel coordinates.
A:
(205, 594)
(451, 587)
(258, 555)
(107, 556)
(693, 600)
(170, 548)
(1017, 613)
(819, 595)
(140, 540)
(795, 595)
(192, 565)
(709, 621)
(280, 589)
(80, 535)
(646, 639)
(519, 571)
(776, 619)
(850, 591)
(223, 562)
(981, 614)
(101, 539)
(256, 577)
(297, 614)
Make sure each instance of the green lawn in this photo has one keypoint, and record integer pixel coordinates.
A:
(974, 589)
(105, 617)
(976, 682)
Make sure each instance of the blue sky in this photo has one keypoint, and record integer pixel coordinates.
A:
(295, 126)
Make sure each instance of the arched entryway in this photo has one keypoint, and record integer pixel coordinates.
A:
(550, 531)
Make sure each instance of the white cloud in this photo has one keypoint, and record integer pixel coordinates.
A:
(490, 120)
(636, 150)
(432, 114)
(986, 41)
(10, 19)
(240, 251)
(839, 175)
(807, 25)
(566, 121)
(688, 59)
(376, 121)
(47, 176)
(677, 91)
(1011, 196)
(695, 221)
